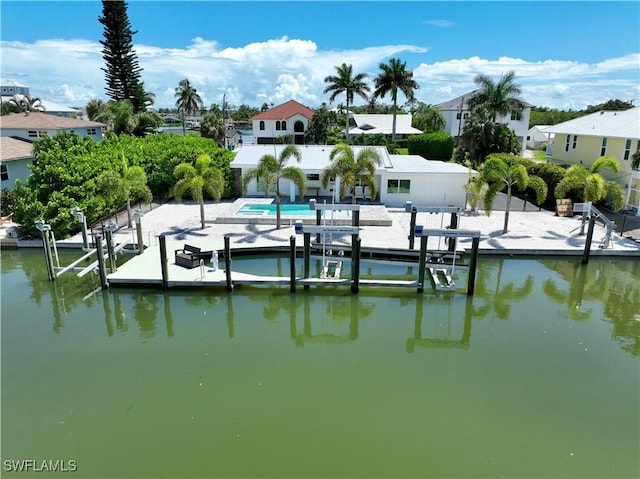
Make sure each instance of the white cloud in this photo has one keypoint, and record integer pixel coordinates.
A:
(276, 70)
(440, 23)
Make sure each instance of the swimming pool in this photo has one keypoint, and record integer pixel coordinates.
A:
(287, 210)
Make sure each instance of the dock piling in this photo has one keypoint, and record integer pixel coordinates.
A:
(163, 261)
(227, 262)
(292, 264)
(422, 263)
(102, 269)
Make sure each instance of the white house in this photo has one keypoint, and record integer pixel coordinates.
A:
(456, 111)
(290, 118)
(382, 124)
(32, 126)
(15, 157)
(604, 133)
(401, 178)
(536, 137)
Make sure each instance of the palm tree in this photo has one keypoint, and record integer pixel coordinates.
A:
(94, 107)
(345, 82)
(126, 183)
(351, 169)
(591, 185)
(26, 103)
(121, 118)
(188, 101)
(481, 136)
(395, 77)
(272, 169)
(497, 98)
(197, 179)
(212, 126)
(503, 170)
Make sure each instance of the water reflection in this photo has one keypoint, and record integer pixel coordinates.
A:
(442, 335)
(604, 286)
(613, 283)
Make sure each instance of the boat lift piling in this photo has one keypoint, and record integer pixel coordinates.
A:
(414, 210)
(449, 233)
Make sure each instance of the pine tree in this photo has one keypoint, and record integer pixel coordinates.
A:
(122, 69)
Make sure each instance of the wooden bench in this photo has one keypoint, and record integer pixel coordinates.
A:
(190, 256)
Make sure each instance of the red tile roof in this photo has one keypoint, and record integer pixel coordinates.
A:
(285, 111)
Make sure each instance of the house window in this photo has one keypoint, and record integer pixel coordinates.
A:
(92, 131)
(284, 125)
(465, 116)
(575, 142)
(4, 173)
(398, 186)
(32, 134)
(261, 125)
(260, 185)
(277, 125)
(458, 116)
(603, 148)
(514, 115)
(627, 150)
(566, 145)
(313, 177)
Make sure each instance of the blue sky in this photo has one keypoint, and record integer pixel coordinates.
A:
(565, 54)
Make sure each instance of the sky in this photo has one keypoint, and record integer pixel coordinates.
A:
(566, 55)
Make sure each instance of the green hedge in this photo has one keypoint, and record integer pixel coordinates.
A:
(433, 146)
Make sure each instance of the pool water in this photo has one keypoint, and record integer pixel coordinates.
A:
(287, 210)
(536, 375)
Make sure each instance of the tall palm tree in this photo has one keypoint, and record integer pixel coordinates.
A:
(188, 100)
(125, 184)
(197, 179)
(502, 170)
(498, 99)
(272, 169)
(394, 77)
(345, 82)
(351, 169)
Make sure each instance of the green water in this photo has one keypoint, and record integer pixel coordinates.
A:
(537, 375)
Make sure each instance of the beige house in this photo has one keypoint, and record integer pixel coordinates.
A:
(604, 133)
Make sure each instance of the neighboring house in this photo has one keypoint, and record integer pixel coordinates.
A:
(232, 138)
(15, 157)
(456, 111)
(32, 126)
(536, 137)
(604, 133)
(401, 178)
(290, 118)
(383, 125)
(8, 89)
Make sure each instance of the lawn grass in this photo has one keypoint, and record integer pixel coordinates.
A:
(402, 151)
(539, 155)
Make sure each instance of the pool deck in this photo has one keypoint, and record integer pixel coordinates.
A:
(530, 232)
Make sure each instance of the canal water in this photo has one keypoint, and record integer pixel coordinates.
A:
(536, 375)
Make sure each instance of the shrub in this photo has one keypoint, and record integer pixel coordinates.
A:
(433, 146)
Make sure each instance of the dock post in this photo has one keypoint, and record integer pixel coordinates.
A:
(355, 218)
(473, 266)
(454, 226)
(355, 265)
(112, 256)
(227, 262)
(163, 261)
(318, 223)
(139, 235)
(292, 265)
(412, 227)
(306, 258)
(101, 264)
(422, 263)
(46, 242)
(587, 245)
